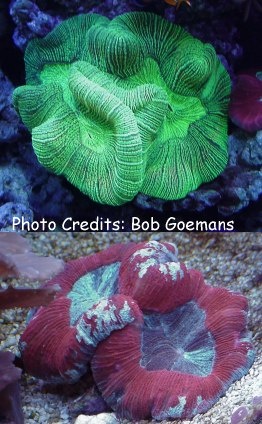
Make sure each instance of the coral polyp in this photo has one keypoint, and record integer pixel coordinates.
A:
(159, 341)
(182, 360)
(131, 105)
(150, 273)
(60, 338)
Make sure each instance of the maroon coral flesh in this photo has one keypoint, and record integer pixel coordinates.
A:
(51, 346)
(160, 369)
(245, 108)
(167, 346)
(151, 273)
(77, 268)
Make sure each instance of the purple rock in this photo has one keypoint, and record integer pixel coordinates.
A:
(10, 123)
(30, 22)
(239, 415)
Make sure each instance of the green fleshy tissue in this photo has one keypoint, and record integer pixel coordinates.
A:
(133, 104)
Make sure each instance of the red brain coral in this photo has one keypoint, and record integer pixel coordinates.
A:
(151, 274)
(53, 346)
(182, 360)
(162, 343)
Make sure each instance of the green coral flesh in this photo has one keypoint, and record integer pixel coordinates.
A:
(131, 105)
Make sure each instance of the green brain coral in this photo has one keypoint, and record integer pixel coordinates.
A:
(130, 105)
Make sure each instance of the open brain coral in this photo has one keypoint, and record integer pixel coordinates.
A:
(188, 346)
(161, 342)
(84, 311)
(131, 105)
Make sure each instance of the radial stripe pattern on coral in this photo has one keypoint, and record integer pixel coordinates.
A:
(60, 338)
(182, 360)
(131, 105)
(159, 341)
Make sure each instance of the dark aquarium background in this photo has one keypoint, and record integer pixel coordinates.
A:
(27, 189)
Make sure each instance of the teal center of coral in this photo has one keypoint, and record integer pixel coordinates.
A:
(178, 341)
(91, 288)
(131, 105)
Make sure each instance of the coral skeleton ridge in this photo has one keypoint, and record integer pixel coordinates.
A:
(135, 104)
(159, 341)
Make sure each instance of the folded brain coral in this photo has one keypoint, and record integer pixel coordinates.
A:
(161, 343)
(183, 360)
(131, 105)
(60, 338)
(150, 273)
